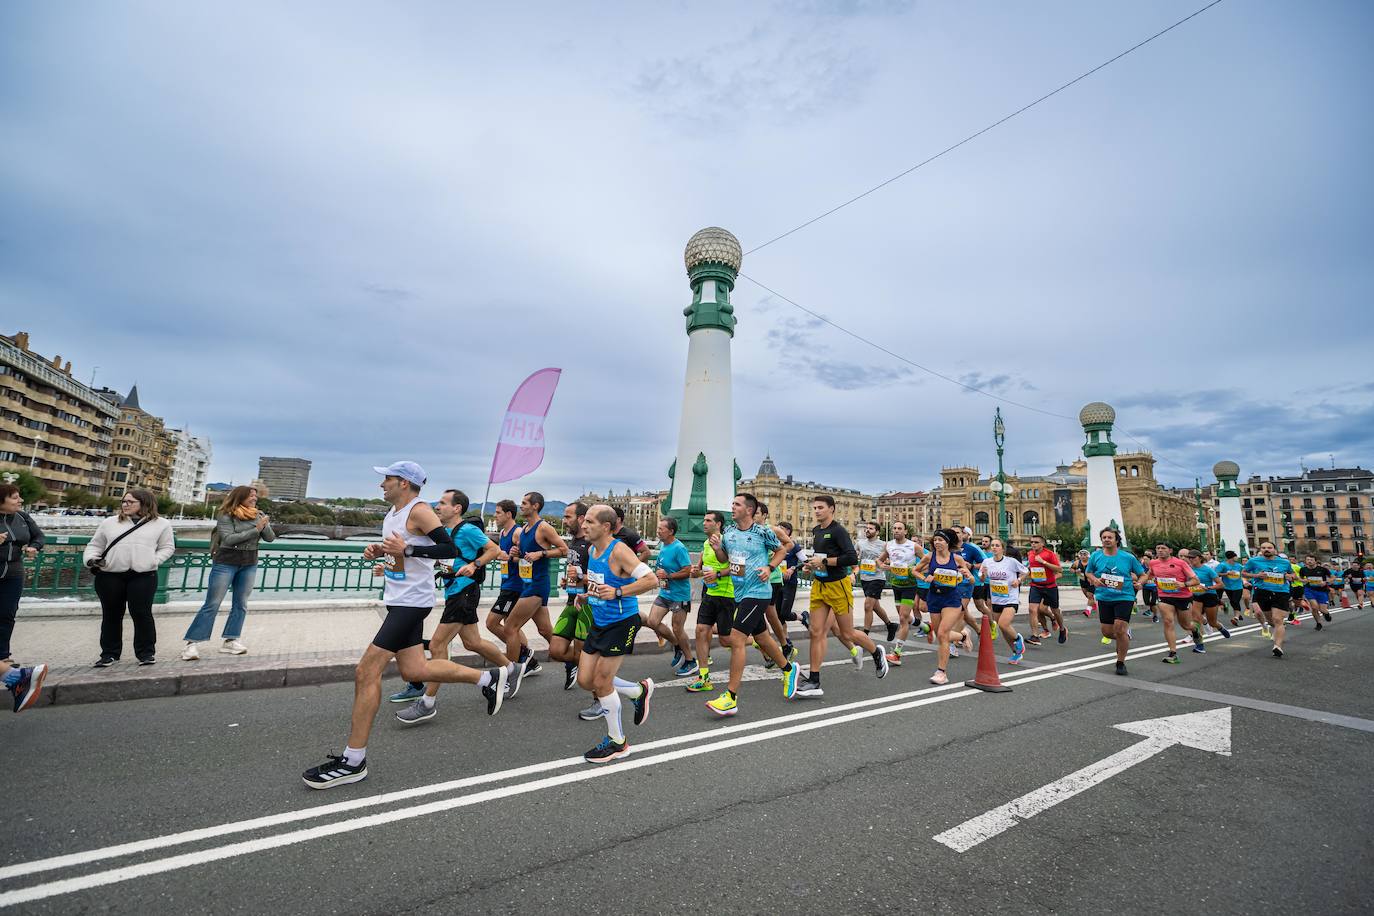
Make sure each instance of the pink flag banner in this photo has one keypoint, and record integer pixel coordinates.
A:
(520, 449)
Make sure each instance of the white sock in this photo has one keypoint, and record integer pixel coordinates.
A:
(623, 687)
(611, 703)
(485, 679)
(427, 701)
(354, 755)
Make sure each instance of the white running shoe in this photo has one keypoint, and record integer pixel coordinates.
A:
(190, 653)
(233, 647)
(858, 657)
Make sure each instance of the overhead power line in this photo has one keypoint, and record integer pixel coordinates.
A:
(979, 133)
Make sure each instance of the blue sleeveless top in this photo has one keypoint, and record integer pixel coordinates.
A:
(529, 542)
(605, 613)
(948, 570)
(510, 578)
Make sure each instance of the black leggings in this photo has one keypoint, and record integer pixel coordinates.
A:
(11, 587)
(134, 591)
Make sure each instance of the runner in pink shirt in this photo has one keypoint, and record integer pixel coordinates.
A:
(1173, 577)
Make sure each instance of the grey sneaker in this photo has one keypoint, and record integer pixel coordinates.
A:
(592, 712)
(513, 681)
(809, 690)
(416, 713)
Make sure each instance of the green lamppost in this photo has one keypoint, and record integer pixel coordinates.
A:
(999, 486)
(1201, 519)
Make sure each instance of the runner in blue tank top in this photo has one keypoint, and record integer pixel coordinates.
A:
(614, 576)
(538, 542)
(944, 571)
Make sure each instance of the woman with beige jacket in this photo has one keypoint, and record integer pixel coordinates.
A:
(124, 555)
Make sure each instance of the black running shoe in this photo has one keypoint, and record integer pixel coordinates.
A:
(533, 668)
(1121, 668)
(570, 678)
(103, 662)
(1319, 624)
(1278, 653)
(607, 751)
(1063, 635)
(495, 692)
(335, 772)
(891, 632)
(641, 702)
(1327, 615)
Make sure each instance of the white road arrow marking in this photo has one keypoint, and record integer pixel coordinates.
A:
(1206, 731)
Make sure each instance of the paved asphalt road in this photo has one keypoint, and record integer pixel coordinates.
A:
(829, 806)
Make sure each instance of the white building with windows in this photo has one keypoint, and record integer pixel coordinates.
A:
(190, 467)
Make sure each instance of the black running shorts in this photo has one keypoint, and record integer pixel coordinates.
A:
(1109, 612)
(505, 602)
(462, 607)
(613, 639)
(1150, 596)
(750, 618)
(1181, 604)
(1046, 595)
(1270, 600)
(402, 628)
(717, 611)
(873, 588)
(1210, 599)
(981, 592)
(1233, 596)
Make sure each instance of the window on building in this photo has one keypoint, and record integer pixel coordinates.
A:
(1030, 523)
(1357, 531)
(1330, 516)
(1331, 502)
(1353, 502)
(1286, 504)
(1309, 516)
(1328, 488)
(1356, 516)
(1360, 548)
(1307, 488)
(1335, 546)
(1261, 514)
(1307, 504)
(980, 523)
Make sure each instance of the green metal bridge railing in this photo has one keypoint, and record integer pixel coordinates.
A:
(58, 572)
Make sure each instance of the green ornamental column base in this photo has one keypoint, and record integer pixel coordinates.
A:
(689, 528)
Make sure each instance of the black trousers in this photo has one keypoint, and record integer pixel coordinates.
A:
(789, 597)
(134, 591)
(10, 589)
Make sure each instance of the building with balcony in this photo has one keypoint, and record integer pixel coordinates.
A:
(190, 466)
(917, 509)
(1323, 511)
(51, 424)
(142, 452)
(790, 500)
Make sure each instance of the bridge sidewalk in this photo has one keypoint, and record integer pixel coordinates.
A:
(316, 644)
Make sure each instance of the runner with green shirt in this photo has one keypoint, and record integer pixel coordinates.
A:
(1114, 575)
(572, 625)
(674, 594)
(717, 608)
(1269, 575)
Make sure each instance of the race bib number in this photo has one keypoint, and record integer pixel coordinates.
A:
(526, 569)
(737, 561)
(1165, 583)
(1273, 578)
(1196, 589)
(1233, 576)
(868, 566)
(1038, 574)
(1001, 589)
(1114, 582)
(574, 574)
(1315, 581)
(901, 572)
(393, 568)
(947, 577)
(596, 578)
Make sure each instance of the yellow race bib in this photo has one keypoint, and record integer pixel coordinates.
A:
(1001, 589)
(901, 572)
(947, 577)
(526, 569)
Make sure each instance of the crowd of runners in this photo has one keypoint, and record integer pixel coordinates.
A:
(750, 571)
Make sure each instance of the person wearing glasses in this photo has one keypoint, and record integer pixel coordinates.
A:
(124, 555)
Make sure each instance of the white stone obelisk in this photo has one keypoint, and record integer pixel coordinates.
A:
(704, 472)
(1230, 518)
(1104, 499)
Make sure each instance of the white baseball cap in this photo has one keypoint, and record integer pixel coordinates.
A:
(406, 470)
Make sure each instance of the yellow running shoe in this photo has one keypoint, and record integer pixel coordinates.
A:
(994, 630)
(1106, 640)
(701, 685)
(723, 705)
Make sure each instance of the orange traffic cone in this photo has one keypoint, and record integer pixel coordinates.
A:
(1345, 600)
(986, 678)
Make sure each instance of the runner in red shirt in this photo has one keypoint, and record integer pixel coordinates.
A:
(1174, 578)
(1045, 566)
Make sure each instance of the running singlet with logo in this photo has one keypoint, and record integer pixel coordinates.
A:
(831, 541)
(1040, 574)
(1116, 571)
(1269, 573)
(471, 541)
(748, 550)
(1231, 578)
(724, 586)
(1002, 575)
(1172, 577)
(411, 582)
(946, 577)
(579, 552)
(901, 557)
(537, 571)
(606, 612)
(510, 572)
(674, 558)
(1314, 581)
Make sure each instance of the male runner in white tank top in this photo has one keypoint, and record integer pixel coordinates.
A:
(414, 539)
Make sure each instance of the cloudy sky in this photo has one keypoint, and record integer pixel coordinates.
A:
(347, 231)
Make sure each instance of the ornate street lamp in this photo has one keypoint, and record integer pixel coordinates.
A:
(1201, 519)
(1000, 486)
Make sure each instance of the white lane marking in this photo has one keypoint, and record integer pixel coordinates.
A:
(115, 875)
(1209, 730)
